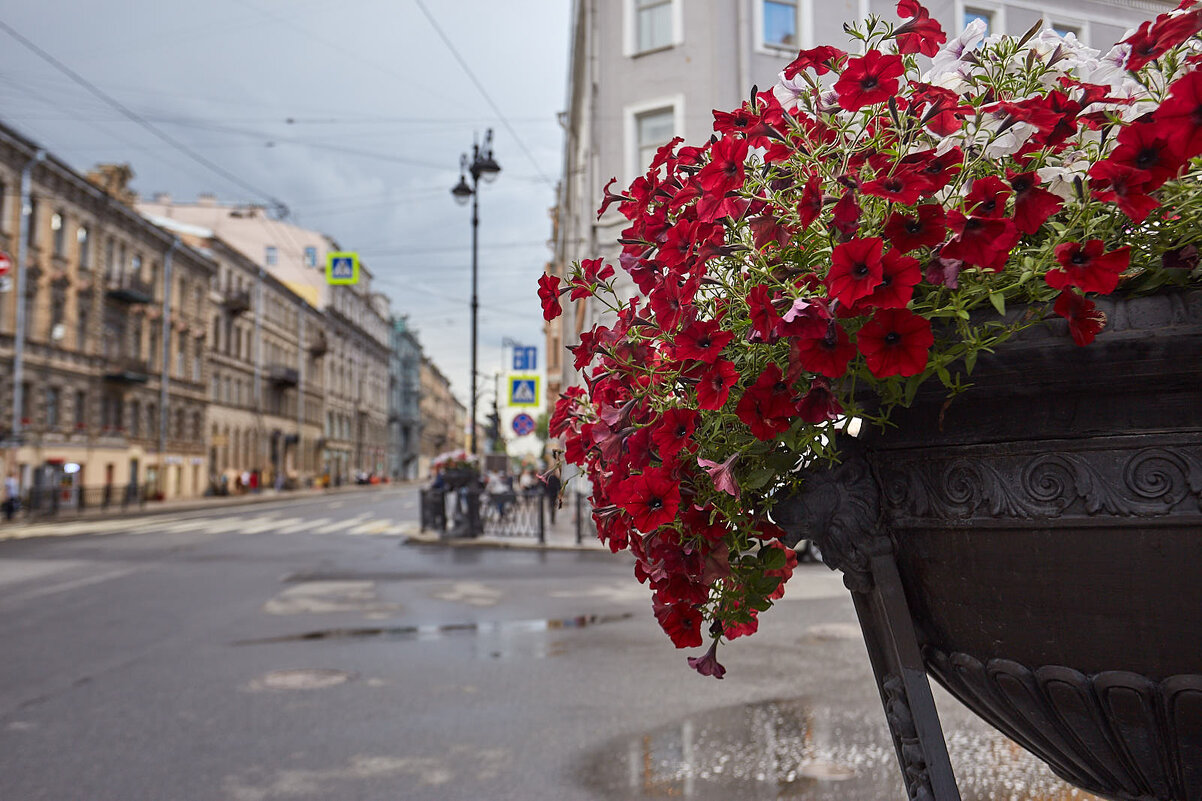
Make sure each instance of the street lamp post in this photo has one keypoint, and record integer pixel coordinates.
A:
(480, 165)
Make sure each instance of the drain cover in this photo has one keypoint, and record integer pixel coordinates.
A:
(304, 679)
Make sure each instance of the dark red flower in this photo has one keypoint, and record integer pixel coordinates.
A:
(1180, 116)
(713, 388)
(708, 665)
(870, 79)
(818, 59)
(1124, 186)
(923, 228)
(846, 215)
(1153, 38)
(980, 241)
(668, 302)
(943, 271)
(702, 340)
(938, 108)
(899, 275)
(819, 404)
(904, 186)
(810, 205)
(921, 34)
(1143, 145)
(1033, 205)
(765, 321)
(680, 621)
(1084, 319)
(651, 498)
(767, 406)
(939, 170)
(896, 342)
(592, 272)
(855, 269)
(767, 229)
(673, 433)
(827, 354)
(1088, 267)
(987, 198)
(548, 293)
(725, 170)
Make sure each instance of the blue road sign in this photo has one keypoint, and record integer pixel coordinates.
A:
(525, 358)
(523, 424)
(523, 391)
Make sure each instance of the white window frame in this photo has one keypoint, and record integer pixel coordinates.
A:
(1051, 20)
(630, 29)
(998, 10)
(805, 29)
(630, 115)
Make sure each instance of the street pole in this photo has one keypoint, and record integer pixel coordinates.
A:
(22, 292)
(475, 301)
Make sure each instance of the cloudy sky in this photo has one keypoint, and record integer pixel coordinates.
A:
(354, 114)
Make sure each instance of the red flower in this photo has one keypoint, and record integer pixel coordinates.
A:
(713, 388)
(1084, 319)
(899, 275)
(725, 170)
(767, 406)
(673, 433)
(938, 170)
(983, 242)
(1153, 39)
(702, 340)
(855, 269)
(1032, 203)
(1124, 186)
(548, 293)
(651, 498)
(987, 198)
(810, 205)
(826, 355)
(846, 216)
(680, 621)
(941, 109)
(922, 229)
(722, 474)
(591, 273)
(869, 79)
(1180, 116)
(904, 186)
(1143, 145)
(818, 59)
(896, 342)
(708, 664)
(819, 404)
(1087, 267)
(921, 34)
(765, 321)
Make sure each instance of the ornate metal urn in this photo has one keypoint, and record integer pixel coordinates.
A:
(1035, 545)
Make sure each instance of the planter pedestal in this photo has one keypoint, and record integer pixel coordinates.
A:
(1036, 547)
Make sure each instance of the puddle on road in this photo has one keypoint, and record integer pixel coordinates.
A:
(440, 631)
(299, 679)
(792, 750)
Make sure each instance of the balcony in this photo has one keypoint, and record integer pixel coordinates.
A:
(129, 289)
(236, 301)
(319, 345)
(283, 377)
(126, 371)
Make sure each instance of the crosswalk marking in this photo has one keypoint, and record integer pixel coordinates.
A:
(338, 525)
(294, 529)
(364, 524)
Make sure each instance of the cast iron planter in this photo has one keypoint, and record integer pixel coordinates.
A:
(1036, 547)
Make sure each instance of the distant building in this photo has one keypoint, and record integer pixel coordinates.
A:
(404, 402)
(644, 71)
(358, 325)
(114, 375)
(444, 418)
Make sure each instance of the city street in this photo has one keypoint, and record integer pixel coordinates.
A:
(299, 649)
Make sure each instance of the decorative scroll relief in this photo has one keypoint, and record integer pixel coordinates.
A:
(1117, 734)
(1124, 482)
(909, 747)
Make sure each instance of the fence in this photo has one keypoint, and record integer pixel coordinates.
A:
(472, 512)
(55, 501)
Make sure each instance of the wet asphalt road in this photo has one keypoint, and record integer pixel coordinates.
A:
(302, 650)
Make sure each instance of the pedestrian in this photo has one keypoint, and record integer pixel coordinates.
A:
(552, 488)
(12, 495)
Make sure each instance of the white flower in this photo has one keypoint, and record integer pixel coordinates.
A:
(948, 59)
(789, 92)
(1059, 180)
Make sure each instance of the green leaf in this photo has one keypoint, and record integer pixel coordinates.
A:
(999, 302)
(774, 558)
(758, 479)
(970, 361)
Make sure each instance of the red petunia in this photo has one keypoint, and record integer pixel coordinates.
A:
(810, 205)
(1124, 186)
(819, 404)
(1143, 145)
(818, 59)
(765, 322)
(702, 340)
(1084, 319)
(725, 171)
(980, 241)
(904, 186)
(924, 228)
(651, 498)
(987, 198)
(867, 80)
(548, 293)
(713, 387)
(896, 342)
(846, 215)
(855, 269)
(1033, 204)
(940, 169)
(673, 433)
(899, 275)
(921, 34)
(1088, 267)
(1180, 116)
(826, 355)
(680, 621)
(1153, 38)
(767, 406)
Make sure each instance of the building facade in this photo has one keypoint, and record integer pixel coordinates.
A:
(355, 400)
(404, 402)
(444, 418)
(112, 344)
(644, 71)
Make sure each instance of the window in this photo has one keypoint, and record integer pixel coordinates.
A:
(85, 258)
(58, 229)
(181, 362)
(982, 14)
(52, 398)
(272, 256)
(310, 257)
(31, 234)
(135, 419)
(81, 326)
(780, 24)
(3, 206)
(110, 260)
(1064, 30)
(653, 24)
(81, 408)
(652, 130)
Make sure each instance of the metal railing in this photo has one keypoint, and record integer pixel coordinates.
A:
(475, 512)
(39, 502)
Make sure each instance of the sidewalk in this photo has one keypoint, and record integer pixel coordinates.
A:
(25, 526)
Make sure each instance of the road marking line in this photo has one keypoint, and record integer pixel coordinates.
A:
(341, 524)
(75, 584)
(321, 521)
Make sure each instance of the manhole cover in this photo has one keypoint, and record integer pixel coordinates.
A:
(304, 679)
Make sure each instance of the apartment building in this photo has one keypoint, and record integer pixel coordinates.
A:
(112, 344)
(404, 402)
(444, 418)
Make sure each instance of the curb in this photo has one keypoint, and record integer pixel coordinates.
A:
(518, 544)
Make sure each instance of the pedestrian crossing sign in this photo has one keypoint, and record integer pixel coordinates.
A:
(523, 390)
(342, 268)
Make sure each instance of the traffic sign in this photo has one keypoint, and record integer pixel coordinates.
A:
(525, 358)
(5, 263)
(6, 284)
(523, 390)
(342, 268)
(523, 424)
